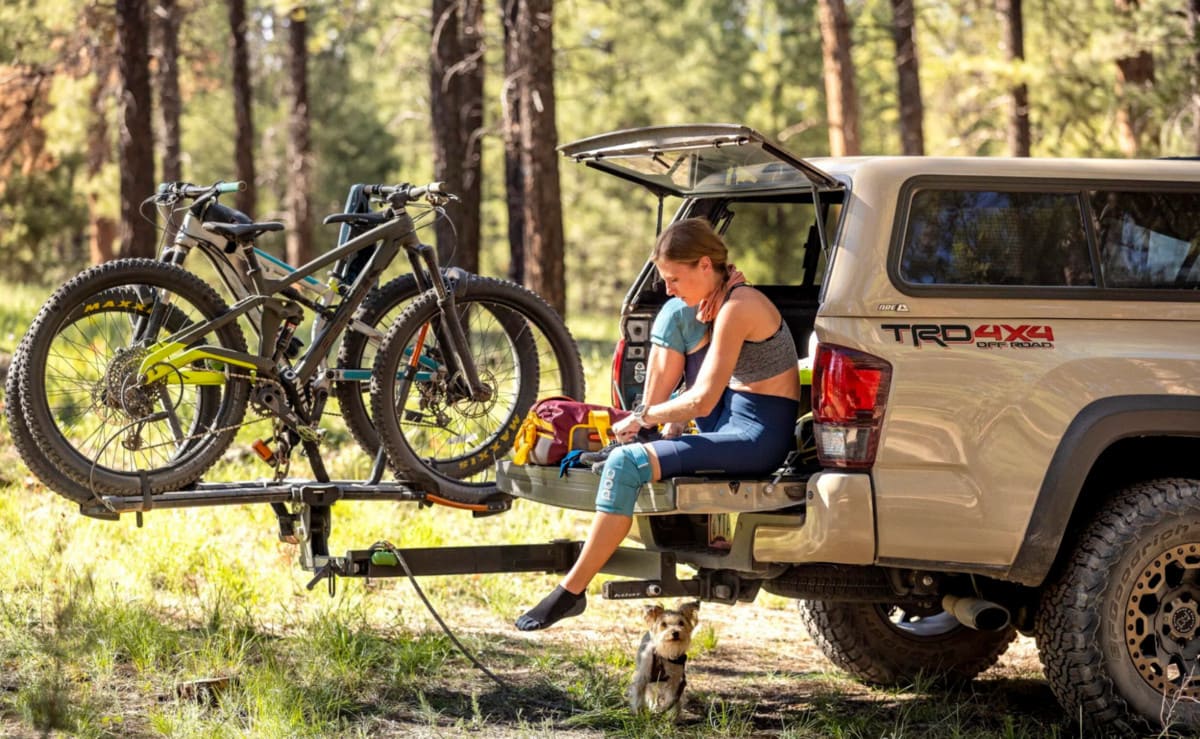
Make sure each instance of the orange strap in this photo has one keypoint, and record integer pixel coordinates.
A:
(455, 504)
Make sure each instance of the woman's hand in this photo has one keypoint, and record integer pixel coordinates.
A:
(627, 428)
(673, 429)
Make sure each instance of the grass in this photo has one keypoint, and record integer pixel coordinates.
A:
(199, 625)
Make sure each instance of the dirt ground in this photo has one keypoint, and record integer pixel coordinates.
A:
(763, 665)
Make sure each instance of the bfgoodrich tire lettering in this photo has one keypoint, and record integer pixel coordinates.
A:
(883, 645)
(1116, 625)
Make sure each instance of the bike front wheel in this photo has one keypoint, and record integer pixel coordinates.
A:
(434, 432)
(558, 371)
(90, 409)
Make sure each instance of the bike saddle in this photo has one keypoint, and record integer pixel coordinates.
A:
(242, 232)
(373, 218)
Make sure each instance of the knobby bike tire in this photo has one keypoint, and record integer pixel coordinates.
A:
(22, 438)
(380, 310)
(420, 442)
(79, 371)
(357, 351)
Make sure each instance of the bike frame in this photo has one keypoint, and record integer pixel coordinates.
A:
(171, 356)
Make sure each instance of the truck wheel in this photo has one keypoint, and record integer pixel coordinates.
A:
(1118, 629)
(898, 645)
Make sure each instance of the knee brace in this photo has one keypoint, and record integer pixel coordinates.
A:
(625, 470)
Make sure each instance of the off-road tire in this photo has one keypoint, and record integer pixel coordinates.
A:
(75, 299)
(444, 474)
(380, 310)
(22, 438)
(1082, 627)
(861, 639)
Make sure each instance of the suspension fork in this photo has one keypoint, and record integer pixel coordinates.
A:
(450, 331)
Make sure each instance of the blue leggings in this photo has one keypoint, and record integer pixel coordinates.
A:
(748, 434)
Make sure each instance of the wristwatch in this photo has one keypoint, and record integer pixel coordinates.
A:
(639, 413)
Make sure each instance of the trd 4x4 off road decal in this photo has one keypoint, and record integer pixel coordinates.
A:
(987, 336)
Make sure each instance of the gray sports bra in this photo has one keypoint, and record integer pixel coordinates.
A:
(759, 360)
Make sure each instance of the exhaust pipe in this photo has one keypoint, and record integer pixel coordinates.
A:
(977, 613)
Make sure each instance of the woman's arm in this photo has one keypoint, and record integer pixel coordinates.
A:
(664, 370)
(737, 319)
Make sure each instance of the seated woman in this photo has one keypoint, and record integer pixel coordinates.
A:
(745, 397)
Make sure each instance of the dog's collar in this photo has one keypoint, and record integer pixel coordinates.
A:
(679, 660)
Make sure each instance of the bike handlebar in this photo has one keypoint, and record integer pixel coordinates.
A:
(188, 190)
(405, 193)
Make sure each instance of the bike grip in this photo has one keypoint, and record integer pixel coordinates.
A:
(224, 187)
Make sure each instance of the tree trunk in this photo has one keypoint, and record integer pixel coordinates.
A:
(471, 129)
(1135, 74)
(514, 180)
(539, 160)
(167, 17)
(102, 234)
(1193, 18)
(135, 147)
(841, 95)
(912, 109)
(1019, 136)
(456, 108)
(102, 229)
(243, 120)
(299, 236)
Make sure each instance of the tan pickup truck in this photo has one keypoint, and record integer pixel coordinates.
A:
(1005, 412)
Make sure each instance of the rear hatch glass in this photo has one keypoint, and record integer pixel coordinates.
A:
(698, 160)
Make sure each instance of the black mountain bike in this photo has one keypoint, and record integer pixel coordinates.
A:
(136, 375)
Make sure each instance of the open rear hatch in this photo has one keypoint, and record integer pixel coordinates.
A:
(698, 160)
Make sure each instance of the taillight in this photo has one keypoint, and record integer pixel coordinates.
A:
(618, 357)
(850, 390)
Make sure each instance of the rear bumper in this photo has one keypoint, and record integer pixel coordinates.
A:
(829, 517)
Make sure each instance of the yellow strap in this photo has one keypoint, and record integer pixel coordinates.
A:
(526, 438)
(601, 422)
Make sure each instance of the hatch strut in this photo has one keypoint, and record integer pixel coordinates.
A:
(816, 195)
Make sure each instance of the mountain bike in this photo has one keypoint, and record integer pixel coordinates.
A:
(135, 376)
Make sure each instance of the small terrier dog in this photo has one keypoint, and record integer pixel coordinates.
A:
(658, 678)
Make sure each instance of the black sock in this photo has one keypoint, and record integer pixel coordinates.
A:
(560, 604)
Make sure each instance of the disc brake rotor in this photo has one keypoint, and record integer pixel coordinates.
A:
(1162, 622)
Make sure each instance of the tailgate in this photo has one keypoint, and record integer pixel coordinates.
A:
(577, 490)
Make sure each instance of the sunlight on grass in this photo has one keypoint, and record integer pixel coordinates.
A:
(106, 629)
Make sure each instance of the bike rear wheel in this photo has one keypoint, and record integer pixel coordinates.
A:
(432, 432)
(87, 408)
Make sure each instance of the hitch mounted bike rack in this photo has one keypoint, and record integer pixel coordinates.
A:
(309, 524)
(656, 569)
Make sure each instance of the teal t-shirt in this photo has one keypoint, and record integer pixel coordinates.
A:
(676, 327)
